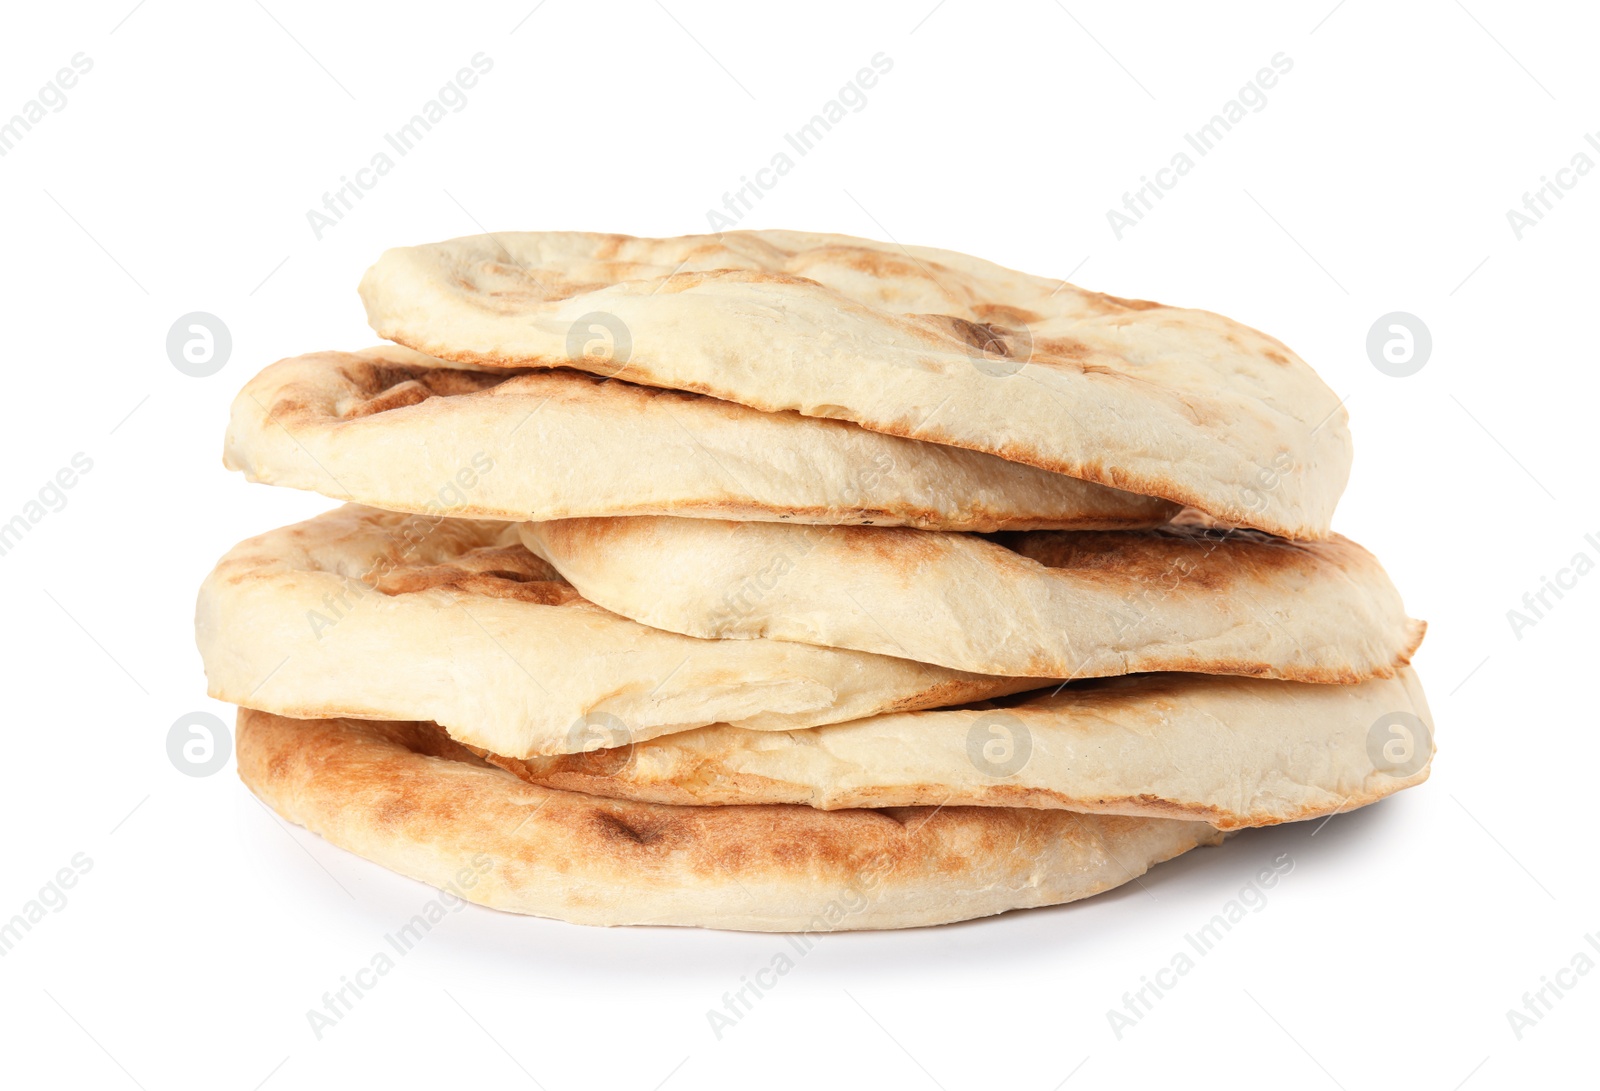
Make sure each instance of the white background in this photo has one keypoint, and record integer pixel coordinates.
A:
(1377, 178)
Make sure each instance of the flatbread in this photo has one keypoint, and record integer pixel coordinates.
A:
(1185, 597)
(910, 341)
(375, 614)
(1229, 751)
(395, 429)
(405, 796)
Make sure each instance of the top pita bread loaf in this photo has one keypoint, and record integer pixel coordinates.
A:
(917, 342)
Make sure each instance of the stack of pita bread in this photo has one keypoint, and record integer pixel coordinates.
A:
(784, 581)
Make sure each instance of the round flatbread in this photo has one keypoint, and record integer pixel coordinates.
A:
(1229, 751)
(369, 613)
(407, 797)
(395, 429)
(909, 341)
(1189, 596)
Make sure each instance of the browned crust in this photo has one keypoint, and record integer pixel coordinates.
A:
(407, 796)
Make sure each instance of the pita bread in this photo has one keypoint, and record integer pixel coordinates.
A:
(395, 429)
(1229, 751)
(405, 796)
(910, 341)
(1185, 597)
(368, 613)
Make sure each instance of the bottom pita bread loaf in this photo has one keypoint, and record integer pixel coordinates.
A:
(408, 797)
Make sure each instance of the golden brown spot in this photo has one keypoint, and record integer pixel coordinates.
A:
(681, 282)
(290, 406)
(1161, 559)
(616, 829)
(875, 264)
(1127, 304)
(395, 810)
(501, 572)
(985, 337)
(1004, 315)
(606, 247)
(382, 387)
(403, 394)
